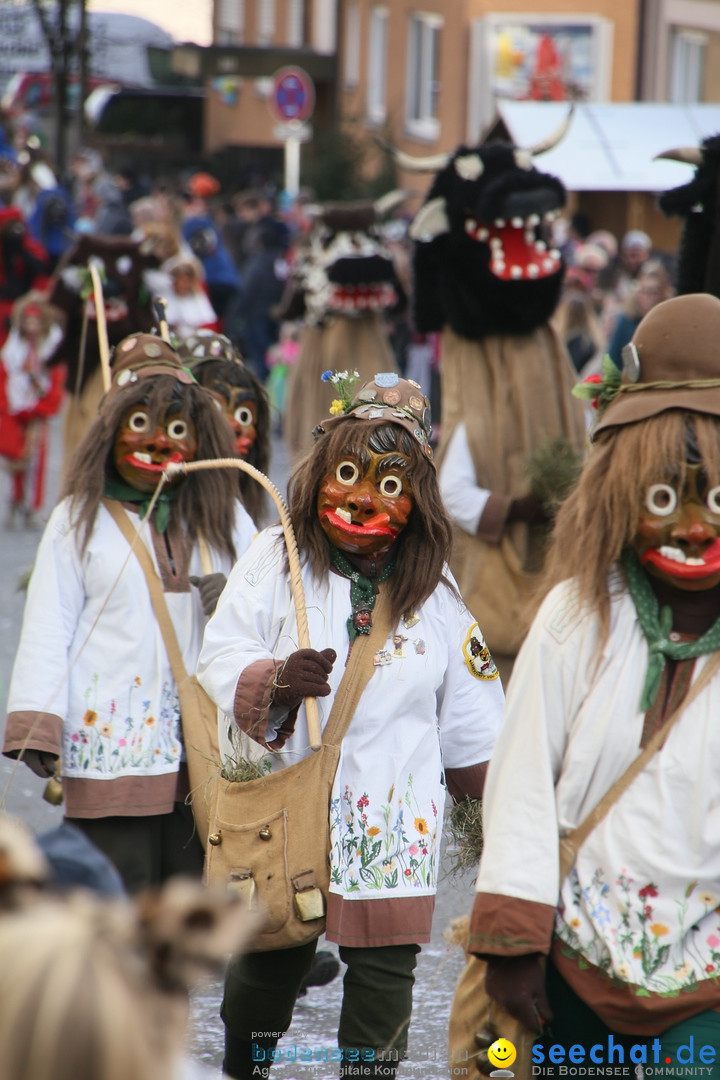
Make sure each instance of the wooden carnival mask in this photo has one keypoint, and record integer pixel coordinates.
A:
(678, 537)
(365, 501)
(146, 440)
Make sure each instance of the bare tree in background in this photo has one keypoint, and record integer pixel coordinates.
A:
(66, 39)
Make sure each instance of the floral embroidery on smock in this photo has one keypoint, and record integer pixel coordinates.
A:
(391, 847)
(130, 735)
(658, 947)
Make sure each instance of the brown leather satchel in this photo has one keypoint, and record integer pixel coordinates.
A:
(268, 839)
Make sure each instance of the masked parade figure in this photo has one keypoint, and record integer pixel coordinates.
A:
(218, 366)
(487, 278)
(371, 531)
(612, 931)
(105, 710)
(343, 283)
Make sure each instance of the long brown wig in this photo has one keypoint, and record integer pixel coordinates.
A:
(206, 501)
(208, 373)
(601, 516)
(423, 547)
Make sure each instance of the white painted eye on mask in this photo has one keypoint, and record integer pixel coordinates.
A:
(139, 421)
(713, 500)
(177, 429)
(661, 499)
(244, 416)
(391, 486)
(347, 473)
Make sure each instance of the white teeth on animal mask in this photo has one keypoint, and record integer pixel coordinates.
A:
(515, 252)
(344, 514)
(144, 458)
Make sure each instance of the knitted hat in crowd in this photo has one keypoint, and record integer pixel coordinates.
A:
(140, 356)
(672, 362)
(386, 397)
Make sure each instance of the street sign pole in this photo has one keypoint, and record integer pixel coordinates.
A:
(292, 102)
(292, 165)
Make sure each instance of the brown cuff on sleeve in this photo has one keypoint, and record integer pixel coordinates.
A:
(494, 519)
(252, 703)
(32, 730)
(467, 783)
(508, 926)
(252, 698)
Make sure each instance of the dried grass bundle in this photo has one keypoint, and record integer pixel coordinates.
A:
(240, 770)
(466, 835)
(554, 469)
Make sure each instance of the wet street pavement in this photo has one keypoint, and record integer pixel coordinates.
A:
(316, 1015)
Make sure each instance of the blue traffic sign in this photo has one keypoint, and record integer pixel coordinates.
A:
(293, 95)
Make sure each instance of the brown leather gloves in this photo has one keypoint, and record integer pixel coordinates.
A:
(210, 586)
(518, 984)
(303, 674)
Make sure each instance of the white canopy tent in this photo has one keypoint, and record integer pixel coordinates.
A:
(610, 147)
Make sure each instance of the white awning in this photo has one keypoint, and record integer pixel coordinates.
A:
(610, 147)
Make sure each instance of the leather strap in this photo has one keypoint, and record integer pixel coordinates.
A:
(157, 595)
(360, 665)
(570, 844)
(358, 671)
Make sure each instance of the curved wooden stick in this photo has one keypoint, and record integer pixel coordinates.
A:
(101, 325)
(296, 584)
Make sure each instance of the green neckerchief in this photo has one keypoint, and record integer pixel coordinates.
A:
(362, 588)
(656, 625)
(118, 489)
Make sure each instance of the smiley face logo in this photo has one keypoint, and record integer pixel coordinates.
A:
(502, 1053)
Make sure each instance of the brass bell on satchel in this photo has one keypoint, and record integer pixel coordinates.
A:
(53, 792)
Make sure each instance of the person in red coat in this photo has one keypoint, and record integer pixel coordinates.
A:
(30, 393)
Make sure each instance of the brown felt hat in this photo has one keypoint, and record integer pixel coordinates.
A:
(140, 356)
(392, 399)
(672, 362)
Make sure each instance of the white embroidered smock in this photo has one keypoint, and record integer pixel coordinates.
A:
(642, 903)
(422, 711)
(91, 652)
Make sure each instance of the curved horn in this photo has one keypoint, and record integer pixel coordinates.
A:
(553, 139)
(430, 221)
(386, 203)
(690, 155)
(433, 163)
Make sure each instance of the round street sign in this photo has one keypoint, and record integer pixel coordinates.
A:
(293, 95)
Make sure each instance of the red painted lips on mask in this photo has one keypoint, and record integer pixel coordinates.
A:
(144, 445)
(678, 536)
(363, 510)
